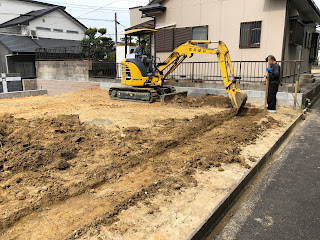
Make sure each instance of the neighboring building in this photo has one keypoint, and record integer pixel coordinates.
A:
(26, 25)
(252, 29)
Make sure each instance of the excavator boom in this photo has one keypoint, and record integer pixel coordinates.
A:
(238, 97)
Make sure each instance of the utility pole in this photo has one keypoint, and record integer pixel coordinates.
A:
(116, 27)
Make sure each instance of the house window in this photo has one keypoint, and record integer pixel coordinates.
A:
(43, 29)
(307, 40)
(250, 34)
(200, 33)
(57, 30)
(314, 47)
(70, 31)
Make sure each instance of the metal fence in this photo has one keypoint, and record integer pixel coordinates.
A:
(59, 53)
(69, 53)
(248, 71)
(105, 70)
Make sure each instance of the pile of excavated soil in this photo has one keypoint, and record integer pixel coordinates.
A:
(49, 160)
(44, 143)
(206, 100)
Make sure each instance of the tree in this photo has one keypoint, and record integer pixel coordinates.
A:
(95, 45)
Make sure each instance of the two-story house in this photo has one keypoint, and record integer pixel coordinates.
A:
(27, 25)
(252, 29)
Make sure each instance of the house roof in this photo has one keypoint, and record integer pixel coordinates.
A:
(16, 44)
(24, 44)
(309, 10)
(37, 2)
(25, 19)
(154, 2)
(53, 43)
(151, 9)
(147, 24)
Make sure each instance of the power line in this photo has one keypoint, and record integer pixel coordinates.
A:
(86, 7)
(99, 8)
(53, 2)
(16, 14)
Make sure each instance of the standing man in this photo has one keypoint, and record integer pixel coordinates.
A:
(139, 50)
(274, 82)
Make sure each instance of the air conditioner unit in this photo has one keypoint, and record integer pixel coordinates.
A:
(33, 34)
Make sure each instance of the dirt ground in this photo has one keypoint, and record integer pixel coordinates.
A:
(80, 166)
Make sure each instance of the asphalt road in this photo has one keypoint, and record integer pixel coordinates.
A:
(285, 204)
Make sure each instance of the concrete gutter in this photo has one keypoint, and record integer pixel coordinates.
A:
(211, 221)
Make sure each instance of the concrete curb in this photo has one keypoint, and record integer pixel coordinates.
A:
(226, 204)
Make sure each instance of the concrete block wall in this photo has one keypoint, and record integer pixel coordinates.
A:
(76, 71)
(29, 84)
(22, 94)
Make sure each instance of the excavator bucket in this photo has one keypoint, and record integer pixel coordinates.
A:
(238, 99)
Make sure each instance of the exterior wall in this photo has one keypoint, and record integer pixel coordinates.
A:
(223, 18)
(136, 17)
(57, 20)
(299, 52)
(14, 8)
(77, 71)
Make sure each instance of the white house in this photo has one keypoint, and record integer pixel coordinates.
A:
(43, 20)
(26, 25)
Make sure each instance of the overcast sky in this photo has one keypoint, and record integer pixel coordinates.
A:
(100, 13)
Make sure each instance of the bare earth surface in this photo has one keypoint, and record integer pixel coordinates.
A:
(80, 166)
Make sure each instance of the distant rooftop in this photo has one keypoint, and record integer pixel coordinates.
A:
(24, 44)
(25, 19)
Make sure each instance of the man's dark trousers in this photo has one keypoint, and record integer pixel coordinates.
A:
(272, 96)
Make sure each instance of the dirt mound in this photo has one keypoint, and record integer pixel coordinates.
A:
(206, 100)
(29, 145)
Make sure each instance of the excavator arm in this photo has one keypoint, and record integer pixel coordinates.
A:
(186, 50)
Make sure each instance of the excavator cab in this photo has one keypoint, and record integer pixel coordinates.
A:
(144, 62)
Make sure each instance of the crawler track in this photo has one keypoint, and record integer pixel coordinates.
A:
(135, 94)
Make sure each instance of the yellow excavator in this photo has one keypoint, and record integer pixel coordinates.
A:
(143, 78)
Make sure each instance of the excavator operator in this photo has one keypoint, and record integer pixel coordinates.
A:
(140, 49)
